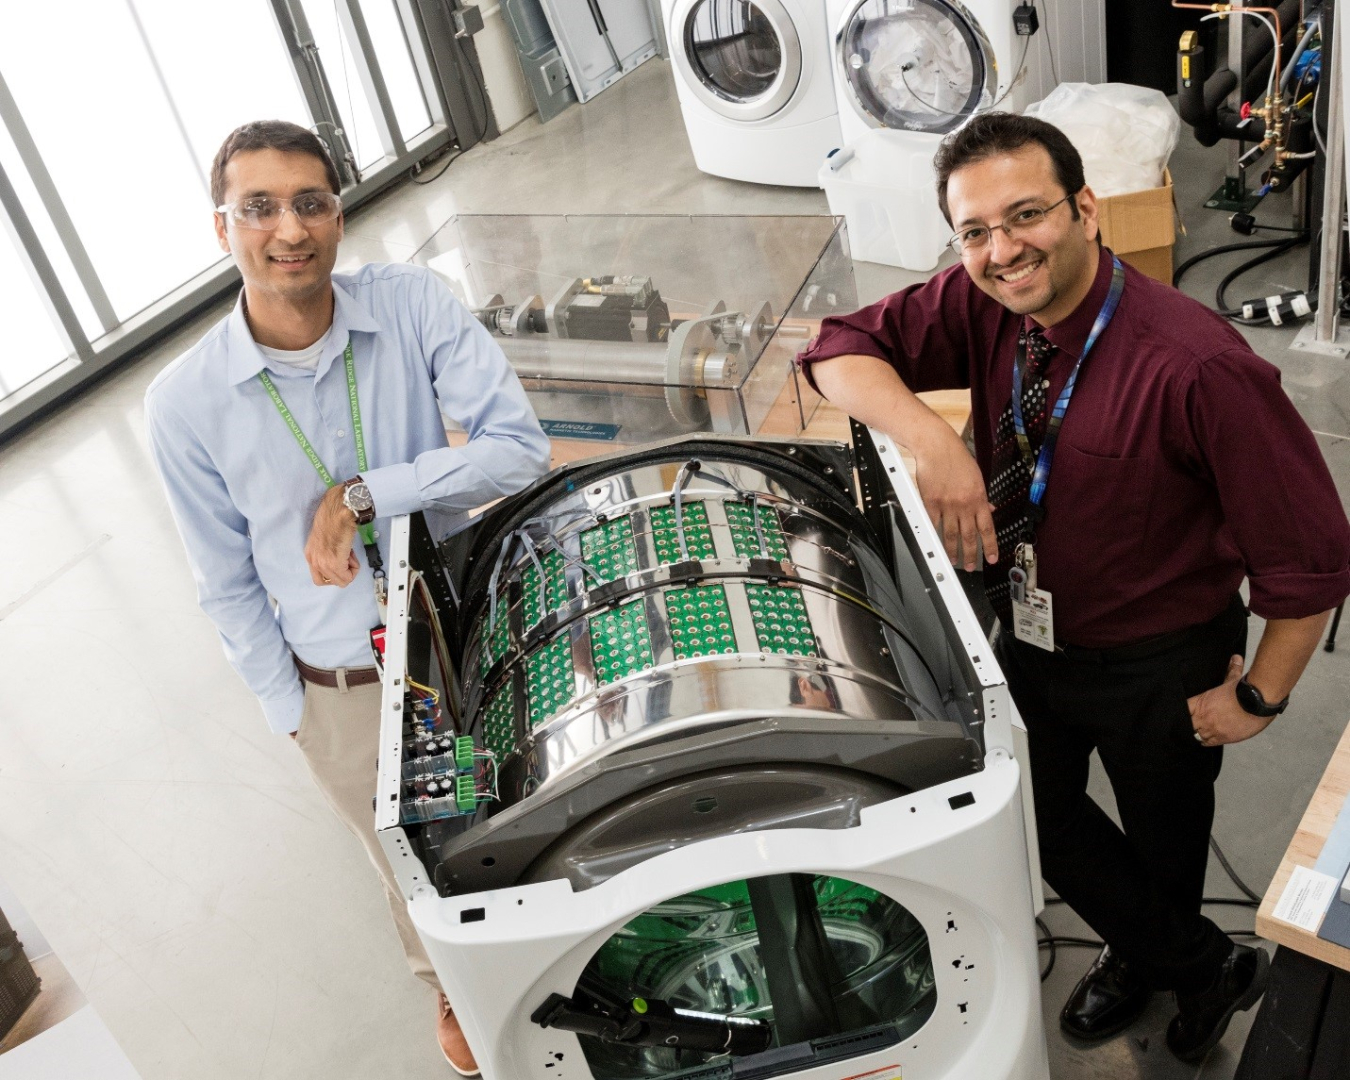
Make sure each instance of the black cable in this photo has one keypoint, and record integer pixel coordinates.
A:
(450, 159)
(1052, 941)
(1221, 301)
(1222, 249)
(1021, 68)
(1232, 874)
(1049, 940)
(1050, 48)
(478, 85)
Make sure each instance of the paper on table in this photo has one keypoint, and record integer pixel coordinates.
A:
(1305, 899)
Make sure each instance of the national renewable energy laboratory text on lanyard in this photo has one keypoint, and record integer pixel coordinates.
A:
(1033, 615)
(367, 531)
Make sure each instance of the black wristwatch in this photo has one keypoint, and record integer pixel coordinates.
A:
(1249, 697)
(356, 498)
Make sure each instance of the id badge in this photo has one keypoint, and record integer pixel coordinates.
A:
(1034, 620)
(1032, 609)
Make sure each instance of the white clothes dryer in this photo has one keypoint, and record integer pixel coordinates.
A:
(922, 66)
(755, 86)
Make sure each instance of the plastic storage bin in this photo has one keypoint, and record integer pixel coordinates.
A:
(883, 184)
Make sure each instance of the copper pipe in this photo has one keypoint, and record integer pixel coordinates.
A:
(1273, 107)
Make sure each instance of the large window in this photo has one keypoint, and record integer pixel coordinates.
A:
(110, 114)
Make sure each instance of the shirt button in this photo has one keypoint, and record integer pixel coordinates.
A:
(341, 434)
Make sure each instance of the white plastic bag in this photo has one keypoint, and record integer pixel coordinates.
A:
(1125, 133)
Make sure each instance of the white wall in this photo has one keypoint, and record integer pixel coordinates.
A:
(1076, 31)
(506, 86)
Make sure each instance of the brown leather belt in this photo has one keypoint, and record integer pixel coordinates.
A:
(339, 678)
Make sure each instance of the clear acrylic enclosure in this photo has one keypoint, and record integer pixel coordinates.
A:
(629, 329)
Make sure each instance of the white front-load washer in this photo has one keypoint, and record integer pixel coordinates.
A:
(755, 86)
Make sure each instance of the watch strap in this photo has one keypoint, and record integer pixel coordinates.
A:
(363, 517)
(1254, 702)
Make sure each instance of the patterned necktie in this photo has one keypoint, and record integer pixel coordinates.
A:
(1010, 480)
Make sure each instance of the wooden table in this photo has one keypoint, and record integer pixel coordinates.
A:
(1304, 850)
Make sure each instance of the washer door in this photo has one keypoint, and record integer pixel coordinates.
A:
(742, 58)
(919, 65)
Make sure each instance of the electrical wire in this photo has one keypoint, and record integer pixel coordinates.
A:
(1050, 49)
(1274, 37)
(1220, 298)
(1053, 942)
(1021, 67)
(413, 173)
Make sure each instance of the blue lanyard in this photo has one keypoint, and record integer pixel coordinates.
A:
(1041, 468)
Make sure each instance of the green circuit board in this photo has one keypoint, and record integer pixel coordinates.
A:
(495, 642)
(741, 518)
(608, 549)
(700, 623)
(697, 534)
(781, 622)
(499, 722)
(620, 642)
(555, 585)
(550, 682)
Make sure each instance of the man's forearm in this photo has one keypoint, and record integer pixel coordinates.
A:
(1284, 651)
(871, 392)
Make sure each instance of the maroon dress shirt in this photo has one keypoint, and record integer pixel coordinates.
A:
(1182, 466)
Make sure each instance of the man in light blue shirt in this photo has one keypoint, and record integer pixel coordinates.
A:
(250, 426)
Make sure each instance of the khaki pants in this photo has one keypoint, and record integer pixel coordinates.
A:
(339, 736)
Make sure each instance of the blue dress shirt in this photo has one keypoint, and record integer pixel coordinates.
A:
(243, 493)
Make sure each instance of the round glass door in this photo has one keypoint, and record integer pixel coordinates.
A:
(805, 958)
(918, 65)
(743, 58)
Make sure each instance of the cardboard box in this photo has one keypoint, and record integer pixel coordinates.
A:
(1141, 228)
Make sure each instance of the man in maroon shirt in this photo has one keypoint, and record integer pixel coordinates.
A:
(1179, 468)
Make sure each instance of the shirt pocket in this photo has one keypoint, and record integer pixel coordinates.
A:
(1106, 501)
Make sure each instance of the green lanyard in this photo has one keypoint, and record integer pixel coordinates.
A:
(367, 531)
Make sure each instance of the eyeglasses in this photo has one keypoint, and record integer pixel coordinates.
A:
(1018, 223)
(265, 212)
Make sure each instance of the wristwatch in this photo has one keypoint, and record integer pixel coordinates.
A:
(356, 498)
(1249, 697)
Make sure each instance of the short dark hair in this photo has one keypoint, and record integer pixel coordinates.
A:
(992, 133)
(269, 135)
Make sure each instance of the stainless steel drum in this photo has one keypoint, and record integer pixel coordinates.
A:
(697, 637)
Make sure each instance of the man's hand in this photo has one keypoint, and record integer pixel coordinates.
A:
(329, 547)
(953, 492)
(1217, 716)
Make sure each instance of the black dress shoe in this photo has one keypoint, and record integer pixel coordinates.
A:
(1202, 1018)
(1108, 999)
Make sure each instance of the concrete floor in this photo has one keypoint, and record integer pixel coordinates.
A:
(175, 853)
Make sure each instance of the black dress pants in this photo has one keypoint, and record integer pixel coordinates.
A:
(1139, 887)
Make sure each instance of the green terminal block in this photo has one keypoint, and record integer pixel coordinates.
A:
(608, 549)
(698, 539)
(741, 518)
(700, 622)
(781, 622)
(464, 754)
(620, 643)
(466, 797)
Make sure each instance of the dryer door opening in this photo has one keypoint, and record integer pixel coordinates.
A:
(743, 58)
(821, 964)
(917, 65)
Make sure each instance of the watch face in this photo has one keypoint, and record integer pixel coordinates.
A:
(357, 498)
